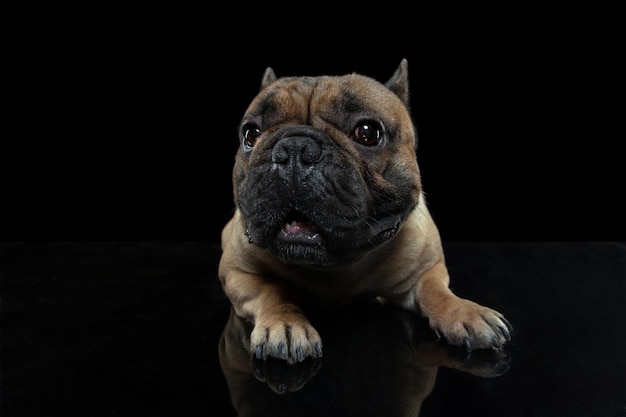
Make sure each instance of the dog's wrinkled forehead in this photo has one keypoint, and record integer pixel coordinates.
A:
(287, 96)
(298, 99)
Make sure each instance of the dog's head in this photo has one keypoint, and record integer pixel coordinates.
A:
(326, 169)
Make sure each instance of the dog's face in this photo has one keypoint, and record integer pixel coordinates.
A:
(326, 168)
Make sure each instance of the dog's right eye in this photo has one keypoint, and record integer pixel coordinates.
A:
(368, 133)
(250, 132)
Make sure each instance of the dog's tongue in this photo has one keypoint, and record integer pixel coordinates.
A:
(303, 232)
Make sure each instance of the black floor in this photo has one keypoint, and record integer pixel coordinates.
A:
(133, 328)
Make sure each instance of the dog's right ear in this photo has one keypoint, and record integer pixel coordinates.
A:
(399, 82)
(268, 77)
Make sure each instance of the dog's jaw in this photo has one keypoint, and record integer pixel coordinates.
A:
(302, 243)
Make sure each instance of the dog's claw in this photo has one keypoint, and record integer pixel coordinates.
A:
(282, 351)
(496, 344)
(438, 334)
(508, 330)
(299, 355)
(505, 333)
(318, 350)
(259, 352)
(467, 345)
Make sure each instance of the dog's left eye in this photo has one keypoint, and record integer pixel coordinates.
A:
(250, 132)
(368, 133)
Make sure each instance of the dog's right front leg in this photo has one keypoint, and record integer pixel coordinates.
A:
(281, 330)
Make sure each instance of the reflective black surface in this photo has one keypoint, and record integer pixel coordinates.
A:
(143, 329)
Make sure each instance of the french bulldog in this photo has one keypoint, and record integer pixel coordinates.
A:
(329, 207)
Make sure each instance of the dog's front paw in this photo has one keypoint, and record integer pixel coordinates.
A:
(471, 325)
(290, 338)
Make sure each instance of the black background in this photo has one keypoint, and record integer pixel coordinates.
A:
(121, 123)
(124, 123)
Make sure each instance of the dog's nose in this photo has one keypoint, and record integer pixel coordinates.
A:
(297, 149)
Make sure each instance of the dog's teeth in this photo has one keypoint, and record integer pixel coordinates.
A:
(300, 231)
(288, 226)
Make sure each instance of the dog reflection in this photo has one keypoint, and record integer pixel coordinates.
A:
(378, 361)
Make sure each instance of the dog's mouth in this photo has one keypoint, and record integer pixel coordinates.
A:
(299, 230)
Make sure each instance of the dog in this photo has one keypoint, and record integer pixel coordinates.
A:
(329, 207)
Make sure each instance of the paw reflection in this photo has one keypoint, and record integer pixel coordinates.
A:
(282, 377)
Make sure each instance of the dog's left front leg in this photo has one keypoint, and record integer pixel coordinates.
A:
(460, 321)
(281, 329)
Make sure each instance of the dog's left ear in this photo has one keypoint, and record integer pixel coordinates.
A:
(399, 82)
(268, 77)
